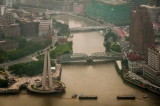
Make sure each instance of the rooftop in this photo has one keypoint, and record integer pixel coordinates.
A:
(134, 57)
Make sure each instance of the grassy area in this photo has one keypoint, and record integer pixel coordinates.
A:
(61, 50)
(27, 69)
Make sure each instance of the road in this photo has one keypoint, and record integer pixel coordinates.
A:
(28, 58)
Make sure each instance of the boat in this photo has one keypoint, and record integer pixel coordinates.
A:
(88, 97)
(139, 81)
(74, 95)
(153, 88)
(130, 97)
(132, 78)
(145, 96)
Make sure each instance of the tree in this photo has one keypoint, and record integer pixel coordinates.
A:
(115, 47)
(6, 77)
(107, 45)
(22, 43)
(112, 35)
(3, 56)
(2, 35)
(124, 63)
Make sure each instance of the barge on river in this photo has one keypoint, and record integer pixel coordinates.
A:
(130, 97)
(81, 97)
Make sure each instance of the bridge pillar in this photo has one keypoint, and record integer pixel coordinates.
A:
(90, 61)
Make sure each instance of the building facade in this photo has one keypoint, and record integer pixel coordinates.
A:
(141, 34)
(154, 13)
(135, 62)
(151, 71)
(29, 28)
(154, 3)
(154, 59)
(8, 45)
(44, 27)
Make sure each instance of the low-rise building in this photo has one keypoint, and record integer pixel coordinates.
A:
(8, 16)
(12, 30)
(135, 62)
(8, 45)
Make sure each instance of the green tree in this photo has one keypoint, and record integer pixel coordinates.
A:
(3, 56)
(115, 47)
(112, 35)
(2, 35)
(6, 77)
(107, 45)
(124, 63)
(3, 83)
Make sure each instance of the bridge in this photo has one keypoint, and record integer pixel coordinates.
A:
(75, 57)
(90, 28)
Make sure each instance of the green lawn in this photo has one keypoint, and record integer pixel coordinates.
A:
(61, 50)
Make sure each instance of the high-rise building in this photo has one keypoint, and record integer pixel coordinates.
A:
(2, 2)
(154, 12)
(44, 27)
(47, 82)
(151, 71)
(9, 3)
(141, 33)
(154, 59)
(154, 3)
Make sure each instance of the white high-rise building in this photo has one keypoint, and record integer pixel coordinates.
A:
(47, 82)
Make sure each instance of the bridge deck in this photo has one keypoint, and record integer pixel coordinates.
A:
(95, 56)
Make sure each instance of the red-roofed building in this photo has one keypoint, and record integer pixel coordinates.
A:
(135, 62)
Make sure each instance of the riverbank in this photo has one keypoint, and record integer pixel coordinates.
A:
(26, 82)
(136, 80)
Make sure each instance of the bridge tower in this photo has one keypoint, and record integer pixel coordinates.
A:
(47, 82)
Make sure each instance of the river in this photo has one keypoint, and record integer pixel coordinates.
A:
(99, 79)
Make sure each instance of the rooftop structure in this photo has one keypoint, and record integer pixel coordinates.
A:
(134, 57)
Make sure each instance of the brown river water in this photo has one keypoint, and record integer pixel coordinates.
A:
(99, 79)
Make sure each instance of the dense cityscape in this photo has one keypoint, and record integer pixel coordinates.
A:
(79, 52)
